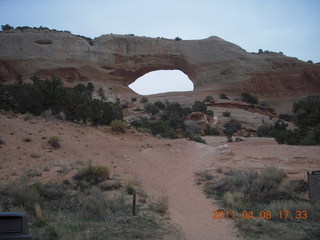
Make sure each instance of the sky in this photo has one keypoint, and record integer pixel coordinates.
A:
(289, 26)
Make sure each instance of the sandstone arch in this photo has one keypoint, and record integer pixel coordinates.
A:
(212, 64)
(162, 81)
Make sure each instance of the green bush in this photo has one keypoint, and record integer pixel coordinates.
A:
(208, 99)
(160, 105)
(264, 130)
(76, 103)
(224, 96)
(6, 27)
(199, 107)
(144, 100)
(215, 130)
(287, 117)
(256, 187)
(151, 108)
(118, 126)
(307, 113)
(232, 126)
(247, 97)
(226, 114)
(92, 174)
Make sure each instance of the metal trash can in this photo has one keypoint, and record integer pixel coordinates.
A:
(14, 226)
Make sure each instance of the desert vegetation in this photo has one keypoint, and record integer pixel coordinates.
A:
(65, 211)
(43, 96)
(168, 120)
(264, 204)
(306, 118)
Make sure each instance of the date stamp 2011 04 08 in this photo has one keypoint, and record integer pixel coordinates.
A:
(299, 215)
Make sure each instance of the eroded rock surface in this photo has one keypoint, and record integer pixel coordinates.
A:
(212, 64)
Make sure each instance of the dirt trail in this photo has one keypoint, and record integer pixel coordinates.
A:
(174, 176)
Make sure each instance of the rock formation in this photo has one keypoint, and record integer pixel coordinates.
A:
(212, 64)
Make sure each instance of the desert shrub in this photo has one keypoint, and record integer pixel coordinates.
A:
(309, 140)
(118, 126)
(35, 155)
(257, 187)
(47, 113)
(193, 127)
(307, 113)
(101, 94)
(194, 138)
(76, 103)
(287, 117)
(62, 116)
(186, 111)
(54, 141)
(224, 96)
(144, 100)
(229, 137)
(204, 175)
(209, 113)
(2, 141)
(6, 27)
(208, 99)
(65, 228)
(151, 108)
(247, 97)
(160, 105)
(129, 188)
(178, 39)
(161, 205)
(297, 186)
(96, 205)
(92, 174)
(27, 139)
(20, 194)
(232, 126)
(27, 117)
(199, 107)
(264, 130)
(215, 130)
(226, 114)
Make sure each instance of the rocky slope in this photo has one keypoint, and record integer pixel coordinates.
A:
(115, 61)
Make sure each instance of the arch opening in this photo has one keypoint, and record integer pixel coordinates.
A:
(162, 81)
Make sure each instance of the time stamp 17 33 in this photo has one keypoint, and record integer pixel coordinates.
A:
(281, 215)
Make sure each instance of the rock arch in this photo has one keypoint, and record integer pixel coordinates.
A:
(162, 81)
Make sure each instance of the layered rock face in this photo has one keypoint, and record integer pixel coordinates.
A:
(212, 64)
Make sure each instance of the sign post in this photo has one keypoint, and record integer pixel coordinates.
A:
(314, 185)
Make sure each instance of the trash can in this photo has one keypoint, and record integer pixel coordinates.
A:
(14, 226)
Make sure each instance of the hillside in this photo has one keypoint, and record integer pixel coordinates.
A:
(163, 167)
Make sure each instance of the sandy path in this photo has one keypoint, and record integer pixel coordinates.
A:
(172, 175)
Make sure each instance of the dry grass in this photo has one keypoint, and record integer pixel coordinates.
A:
(266, 190)
(118, 126)
(92, 174)
(161, 204)
(54, 141)
(59, 211)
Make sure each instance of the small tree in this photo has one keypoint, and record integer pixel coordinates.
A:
(101, 94)
(199, 107)
(247, 97)
(6, 27)
(224, 96)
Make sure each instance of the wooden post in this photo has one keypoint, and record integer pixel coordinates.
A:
(134, 202)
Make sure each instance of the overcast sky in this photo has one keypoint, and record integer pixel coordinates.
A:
(289, 26)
